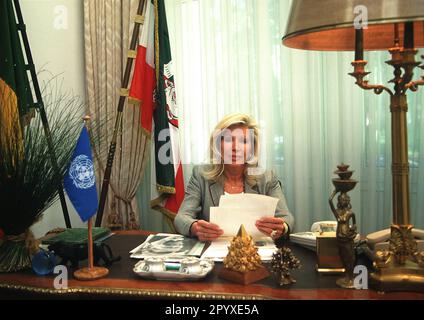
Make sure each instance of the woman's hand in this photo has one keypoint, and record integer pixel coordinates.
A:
(271, 226)
(206, 231)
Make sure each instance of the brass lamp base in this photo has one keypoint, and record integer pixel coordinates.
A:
(87, 274)
(401, 268)
(409, 277)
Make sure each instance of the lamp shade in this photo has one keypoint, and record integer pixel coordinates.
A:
(329, 24)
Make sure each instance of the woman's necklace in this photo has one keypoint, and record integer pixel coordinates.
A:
(234, 188)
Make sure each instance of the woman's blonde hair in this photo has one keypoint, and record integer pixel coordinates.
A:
(215, 170)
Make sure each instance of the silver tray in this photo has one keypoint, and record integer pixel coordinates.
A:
(206, 266)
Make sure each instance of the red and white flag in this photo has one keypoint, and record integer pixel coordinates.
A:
(153, 85)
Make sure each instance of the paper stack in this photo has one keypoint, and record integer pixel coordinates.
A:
(241, 209)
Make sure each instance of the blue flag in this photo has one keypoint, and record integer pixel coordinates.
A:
(80, 180)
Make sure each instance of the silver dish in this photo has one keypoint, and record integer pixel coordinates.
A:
(186, 269)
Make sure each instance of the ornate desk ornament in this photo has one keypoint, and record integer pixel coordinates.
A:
(243, 263)
(283, 260)
(189, 269)
(346, 223)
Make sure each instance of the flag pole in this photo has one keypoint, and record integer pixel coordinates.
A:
(40, 106)
(124, 94)
(91, 272)
(90, 244)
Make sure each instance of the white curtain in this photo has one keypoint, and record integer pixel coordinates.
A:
(228, 57)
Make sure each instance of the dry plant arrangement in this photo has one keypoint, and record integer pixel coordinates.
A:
(28, 183)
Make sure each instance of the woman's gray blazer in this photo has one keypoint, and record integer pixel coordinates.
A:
(201, 194)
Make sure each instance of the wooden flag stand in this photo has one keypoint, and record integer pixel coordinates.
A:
(92, 272)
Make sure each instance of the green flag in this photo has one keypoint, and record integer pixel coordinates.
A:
(169, 172)
(16, 100)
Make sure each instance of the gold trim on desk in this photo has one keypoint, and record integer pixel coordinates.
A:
(133, 292)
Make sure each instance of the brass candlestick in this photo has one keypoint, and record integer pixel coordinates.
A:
(346, 223)
(399, 268)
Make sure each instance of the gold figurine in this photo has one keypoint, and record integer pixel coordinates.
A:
(346, 223)
(242, 254)
(243, 263)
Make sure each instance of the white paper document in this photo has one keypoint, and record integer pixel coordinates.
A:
(259, 202)
(241, 209)
(230, 219)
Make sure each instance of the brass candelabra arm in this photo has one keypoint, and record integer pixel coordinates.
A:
(413, 85)
(359, 74)
(377, 88)
(405, 59)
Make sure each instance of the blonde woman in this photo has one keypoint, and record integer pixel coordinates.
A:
(234, 148)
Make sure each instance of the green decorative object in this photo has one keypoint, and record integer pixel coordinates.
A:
(76, 236)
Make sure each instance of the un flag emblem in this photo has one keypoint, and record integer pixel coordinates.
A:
(81, 172)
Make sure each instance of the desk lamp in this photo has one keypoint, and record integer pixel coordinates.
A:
(396, 26)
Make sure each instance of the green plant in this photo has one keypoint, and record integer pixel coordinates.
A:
(28, 183)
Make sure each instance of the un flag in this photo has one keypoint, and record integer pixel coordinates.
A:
(80, 179)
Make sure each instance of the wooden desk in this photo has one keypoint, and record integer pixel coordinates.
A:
(123, 283)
